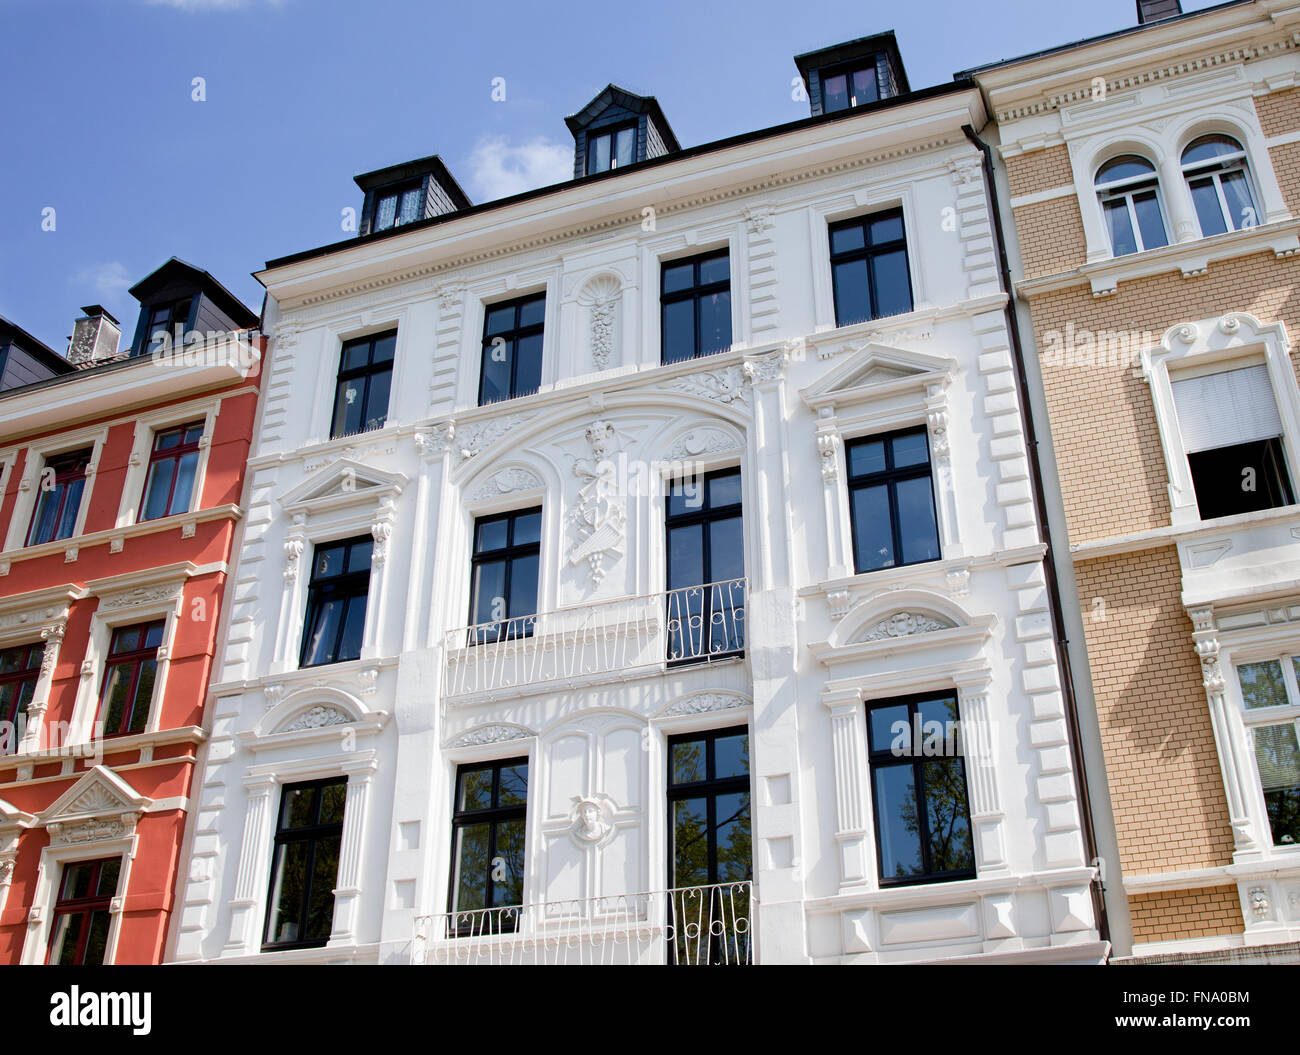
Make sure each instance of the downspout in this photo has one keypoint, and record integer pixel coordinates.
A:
(1049, 561)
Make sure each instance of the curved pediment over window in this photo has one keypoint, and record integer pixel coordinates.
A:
(903, 619)
(308, 712)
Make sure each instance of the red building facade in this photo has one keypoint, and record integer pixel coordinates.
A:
(120, 492)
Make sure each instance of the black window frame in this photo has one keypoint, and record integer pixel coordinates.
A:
(849, 68)
(85, 907)
(171, 454)
(153, 324)
(695, 293)
(136, 658)
(397, 191)
(313, 834)
(705, 515)
(512, 337)
(24, 676)
(515, 627)
(611, 131)
(867, 253)
(369, 370)
(890, 477)
(344, 585)
(69, 467)
(878, 758)
(493, 816)
(711, 787)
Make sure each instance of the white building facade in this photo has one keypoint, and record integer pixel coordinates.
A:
(672, 589)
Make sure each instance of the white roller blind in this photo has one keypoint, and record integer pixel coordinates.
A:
(1219, 410)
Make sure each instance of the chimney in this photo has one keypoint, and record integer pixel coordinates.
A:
(94, 337)
(1155, 10)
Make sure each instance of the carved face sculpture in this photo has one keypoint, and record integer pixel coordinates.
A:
(590, 826)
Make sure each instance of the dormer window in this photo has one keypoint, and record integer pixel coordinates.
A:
(395, 206)
(849, 86)
(611, 150)
(163, 321)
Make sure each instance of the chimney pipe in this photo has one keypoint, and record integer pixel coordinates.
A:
(1156, 10)
(94, 337)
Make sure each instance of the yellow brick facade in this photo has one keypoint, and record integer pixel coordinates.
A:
(1204, 913)
(1162, 765)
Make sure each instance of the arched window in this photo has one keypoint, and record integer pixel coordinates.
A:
(1215, 170)
(1129, 191)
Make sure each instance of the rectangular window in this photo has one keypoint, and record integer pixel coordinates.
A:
(695, 306)
(1271, 699)
(336, 602)
(169, 485)
(504, 574)
(512, 349)
(891, 501)
(487, 847)
(305, 866)
(395, 206)
(869, 267)
(918, 789)
(1232, 433)
(711, 847)
(79, 934)
(58, 501)
(706, 567)
(129, 678)
(612, 149)
(365, 376)
(167, 323)
(20, 669)
(846, 86)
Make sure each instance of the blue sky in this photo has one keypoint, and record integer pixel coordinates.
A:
(301, 95)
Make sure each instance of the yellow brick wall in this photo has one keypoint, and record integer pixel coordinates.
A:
(1112, 469)
(1286, 166)
(1039, 170)
(1176, 914)
(1051, 236)
(1161, 764)
(1279, 111)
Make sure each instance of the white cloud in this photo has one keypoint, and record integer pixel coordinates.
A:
(109, 280)
(499, 168)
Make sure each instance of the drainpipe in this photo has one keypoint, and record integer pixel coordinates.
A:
(1049, 561)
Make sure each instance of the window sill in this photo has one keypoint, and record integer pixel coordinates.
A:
(70, 548)
(93, 750)
(1190, 259)
(1174, 533)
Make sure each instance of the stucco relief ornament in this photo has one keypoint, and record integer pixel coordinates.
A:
(701, 441)
(770, 367)
(490, 734)
(904, 624)
(1259, 902)
(591, 823)
(6, 871)
(506, 482)
(317, 718)
(473, 440)
(599, 516)
(726, 386)
(292, 552)
(705, 703)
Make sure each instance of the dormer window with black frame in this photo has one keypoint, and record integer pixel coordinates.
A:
(407, 193)
(398, 205)
(857, 73)
(617, 129)
(611, 150)
(179, 298)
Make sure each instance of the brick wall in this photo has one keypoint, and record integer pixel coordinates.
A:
(1165, 783)
(1113, 473)
(1279, 111)
(1169, 916)
(1051, 236)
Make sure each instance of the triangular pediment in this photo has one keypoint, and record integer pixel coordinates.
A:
(875, 371)
(100, 792)
(342, 481)
(11, 816)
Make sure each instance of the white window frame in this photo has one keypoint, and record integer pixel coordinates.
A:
(147, 427)
(1125, 189)
(1231, 341)
(38, 456)
(1252, 718)
(1216, 168)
